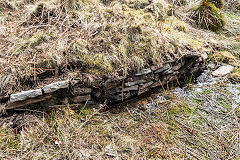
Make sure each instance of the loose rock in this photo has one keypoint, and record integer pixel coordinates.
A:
(163, 68)
(129, 84)
(146, 85)
(223, 70)
(25, 95)
(79, 99)
(55, 86)
(132, 88)
(81, 91)
(141, 91)
(144, 71)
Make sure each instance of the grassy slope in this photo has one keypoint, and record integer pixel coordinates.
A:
(176, 128)
(49, 37)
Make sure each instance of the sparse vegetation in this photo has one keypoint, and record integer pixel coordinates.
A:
(56, 39)
(224, 57)
(65, 37)
(171, 128)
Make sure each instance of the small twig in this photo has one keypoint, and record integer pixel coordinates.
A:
(123, 84)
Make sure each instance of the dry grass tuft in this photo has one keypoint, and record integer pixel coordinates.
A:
(208, 16)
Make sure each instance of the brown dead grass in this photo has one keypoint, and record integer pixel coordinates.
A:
(176, 129)
(45, 38)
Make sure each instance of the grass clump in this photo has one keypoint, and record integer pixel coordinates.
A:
(175, 24)
(208, 16)
(224, 57)
(98, 63)
(235, 75)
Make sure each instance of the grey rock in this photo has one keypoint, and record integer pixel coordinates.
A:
(74, 82)
(97, 83)
(178, 66)
(146, 85)
(204, 56)
(141, 91)
(81, 91)
(128, 84)
(79, 99)
(157, 84)
(163, 68)
(55, 86)
(111, 83)
(25, 95)
(143, 72)
(223, 70)
(154, 68)
(132, 88)
(125, 96)
(169, 71)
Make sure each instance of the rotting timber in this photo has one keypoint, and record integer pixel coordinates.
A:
(108, 90)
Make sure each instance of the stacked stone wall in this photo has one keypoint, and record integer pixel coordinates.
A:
(109, 90)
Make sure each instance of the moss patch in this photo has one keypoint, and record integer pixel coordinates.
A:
(217, 3)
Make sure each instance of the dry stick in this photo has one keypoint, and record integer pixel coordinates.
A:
(34, 70)
(123, 84)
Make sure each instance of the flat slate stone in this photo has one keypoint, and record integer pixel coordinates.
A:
(169, 71)
(55, 86)
(146, 85)
(129, 84)
(28, 101)
(178, 66)
(163, 68)
(125, 96)
(79, 99)
(143, 72)
(157, 84)
(141, 91)
(81, 91)
(204, 56)
(74, 82)
(132, 88)
(223, 70)
(24, 95)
